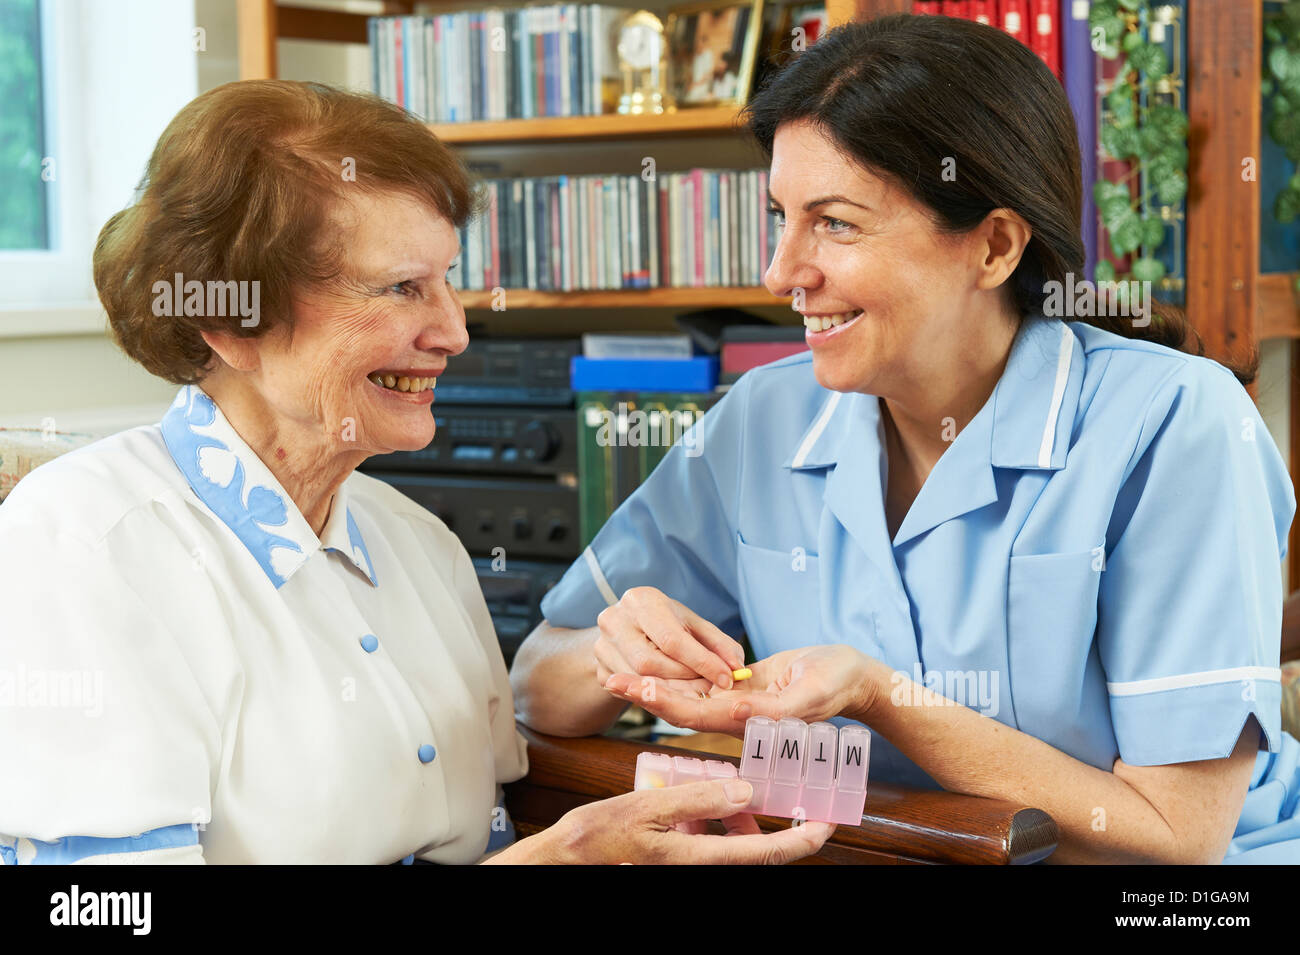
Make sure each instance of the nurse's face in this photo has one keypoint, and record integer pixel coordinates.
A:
(893, 294)
(392, 315)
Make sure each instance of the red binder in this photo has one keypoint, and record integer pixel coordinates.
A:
(954, 8)
(1045, 34)
(1013, 16)
(931, 7)
(982, 11)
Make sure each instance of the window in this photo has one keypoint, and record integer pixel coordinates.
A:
(24, 212)
(87, 89)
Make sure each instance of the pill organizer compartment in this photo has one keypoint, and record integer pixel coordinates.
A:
(798, 770)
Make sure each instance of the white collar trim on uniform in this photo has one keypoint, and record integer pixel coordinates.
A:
(240, 489)
(1034, 405)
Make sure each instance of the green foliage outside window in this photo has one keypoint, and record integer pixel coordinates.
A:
(23, 198)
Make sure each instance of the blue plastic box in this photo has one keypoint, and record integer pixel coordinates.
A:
(644, 374)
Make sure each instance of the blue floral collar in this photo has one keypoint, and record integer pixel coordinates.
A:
(241, 490)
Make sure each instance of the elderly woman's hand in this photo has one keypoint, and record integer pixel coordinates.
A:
(647, 826)
(808, 683)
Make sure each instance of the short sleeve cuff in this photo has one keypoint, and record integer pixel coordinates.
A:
(580, 596)
(1189, 723)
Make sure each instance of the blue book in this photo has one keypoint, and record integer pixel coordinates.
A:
(551, 52)
(698, 374)
(1076, 50)
(407, 44)
(372, 32)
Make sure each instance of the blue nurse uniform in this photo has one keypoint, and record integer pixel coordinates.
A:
(1094, 560)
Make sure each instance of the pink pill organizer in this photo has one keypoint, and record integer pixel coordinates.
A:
(798, 771)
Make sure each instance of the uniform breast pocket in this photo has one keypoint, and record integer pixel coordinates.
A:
(779, 597)
(1051, 621)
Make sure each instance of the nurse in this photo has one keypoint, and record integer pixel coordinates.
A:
(1037, 553)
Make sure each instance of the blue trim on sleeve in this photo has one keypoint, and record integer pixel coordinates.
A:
(74, 848)
(1193, 723)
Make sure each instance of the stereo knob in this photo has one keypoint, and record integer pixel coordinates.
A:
(538, 441)
(522, 527)
(556, 531)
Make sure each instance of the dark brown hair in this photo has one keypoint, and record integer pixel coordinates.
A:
(240, 187)
(901, 94)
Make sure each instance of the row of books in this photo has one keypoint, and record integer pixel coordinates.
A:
(1059, 32)
(1036, 23)
(700, 228)
(553, 60)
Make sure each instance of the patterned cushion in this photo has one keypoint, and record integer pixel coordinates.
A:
(23, 449)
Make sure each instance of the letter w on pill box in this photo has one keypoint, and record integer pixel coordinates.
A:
(798, 771)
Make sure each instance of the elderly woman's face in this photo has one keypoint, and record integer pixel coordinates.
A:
(392, 317)
(867, 260)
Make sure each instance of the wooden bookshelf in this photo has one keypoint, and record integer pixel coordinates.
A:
(686, 122)
(705, 297)
(1277, 306)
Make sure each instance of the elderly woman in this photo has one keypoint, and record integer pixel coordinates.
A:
(1072, 527)
(296, 662)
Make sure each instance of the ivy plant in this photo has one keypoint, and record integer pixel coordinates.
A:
(1152, 136)
(1281, 88)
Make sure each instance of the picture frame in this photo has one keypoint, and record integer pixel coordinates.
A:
(712, 49)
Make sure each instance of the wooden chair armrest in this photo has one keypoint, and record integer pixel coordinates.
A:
(898, 824)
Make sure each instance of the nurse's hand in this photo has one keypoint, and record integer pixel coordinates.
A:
(649, 634)
(809, 683)
(643, 827)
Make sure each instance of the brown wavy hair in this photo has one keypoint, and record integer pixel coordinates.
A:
(240, 188)
(900, 94)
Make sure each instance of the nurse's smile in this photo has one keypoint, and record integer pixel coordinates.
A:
(821, 328)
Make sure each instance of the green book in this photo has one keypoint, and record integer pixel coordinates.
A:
(622, 437)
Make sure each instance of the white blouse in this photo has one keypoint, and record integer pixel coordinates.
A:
(187, 673)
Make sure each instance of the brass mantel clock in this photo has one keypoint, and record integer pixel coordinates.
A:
(642, 61)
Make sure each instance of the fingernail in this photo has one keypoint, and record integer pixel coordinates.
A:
(724, 681)
(738, 791)
(741, 711)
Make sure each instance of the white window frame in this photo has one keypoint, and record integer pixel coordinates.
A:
(115, 74)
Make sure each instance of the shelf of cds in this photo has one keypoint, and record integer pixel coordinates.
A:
(498, 64)
(678, 238)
